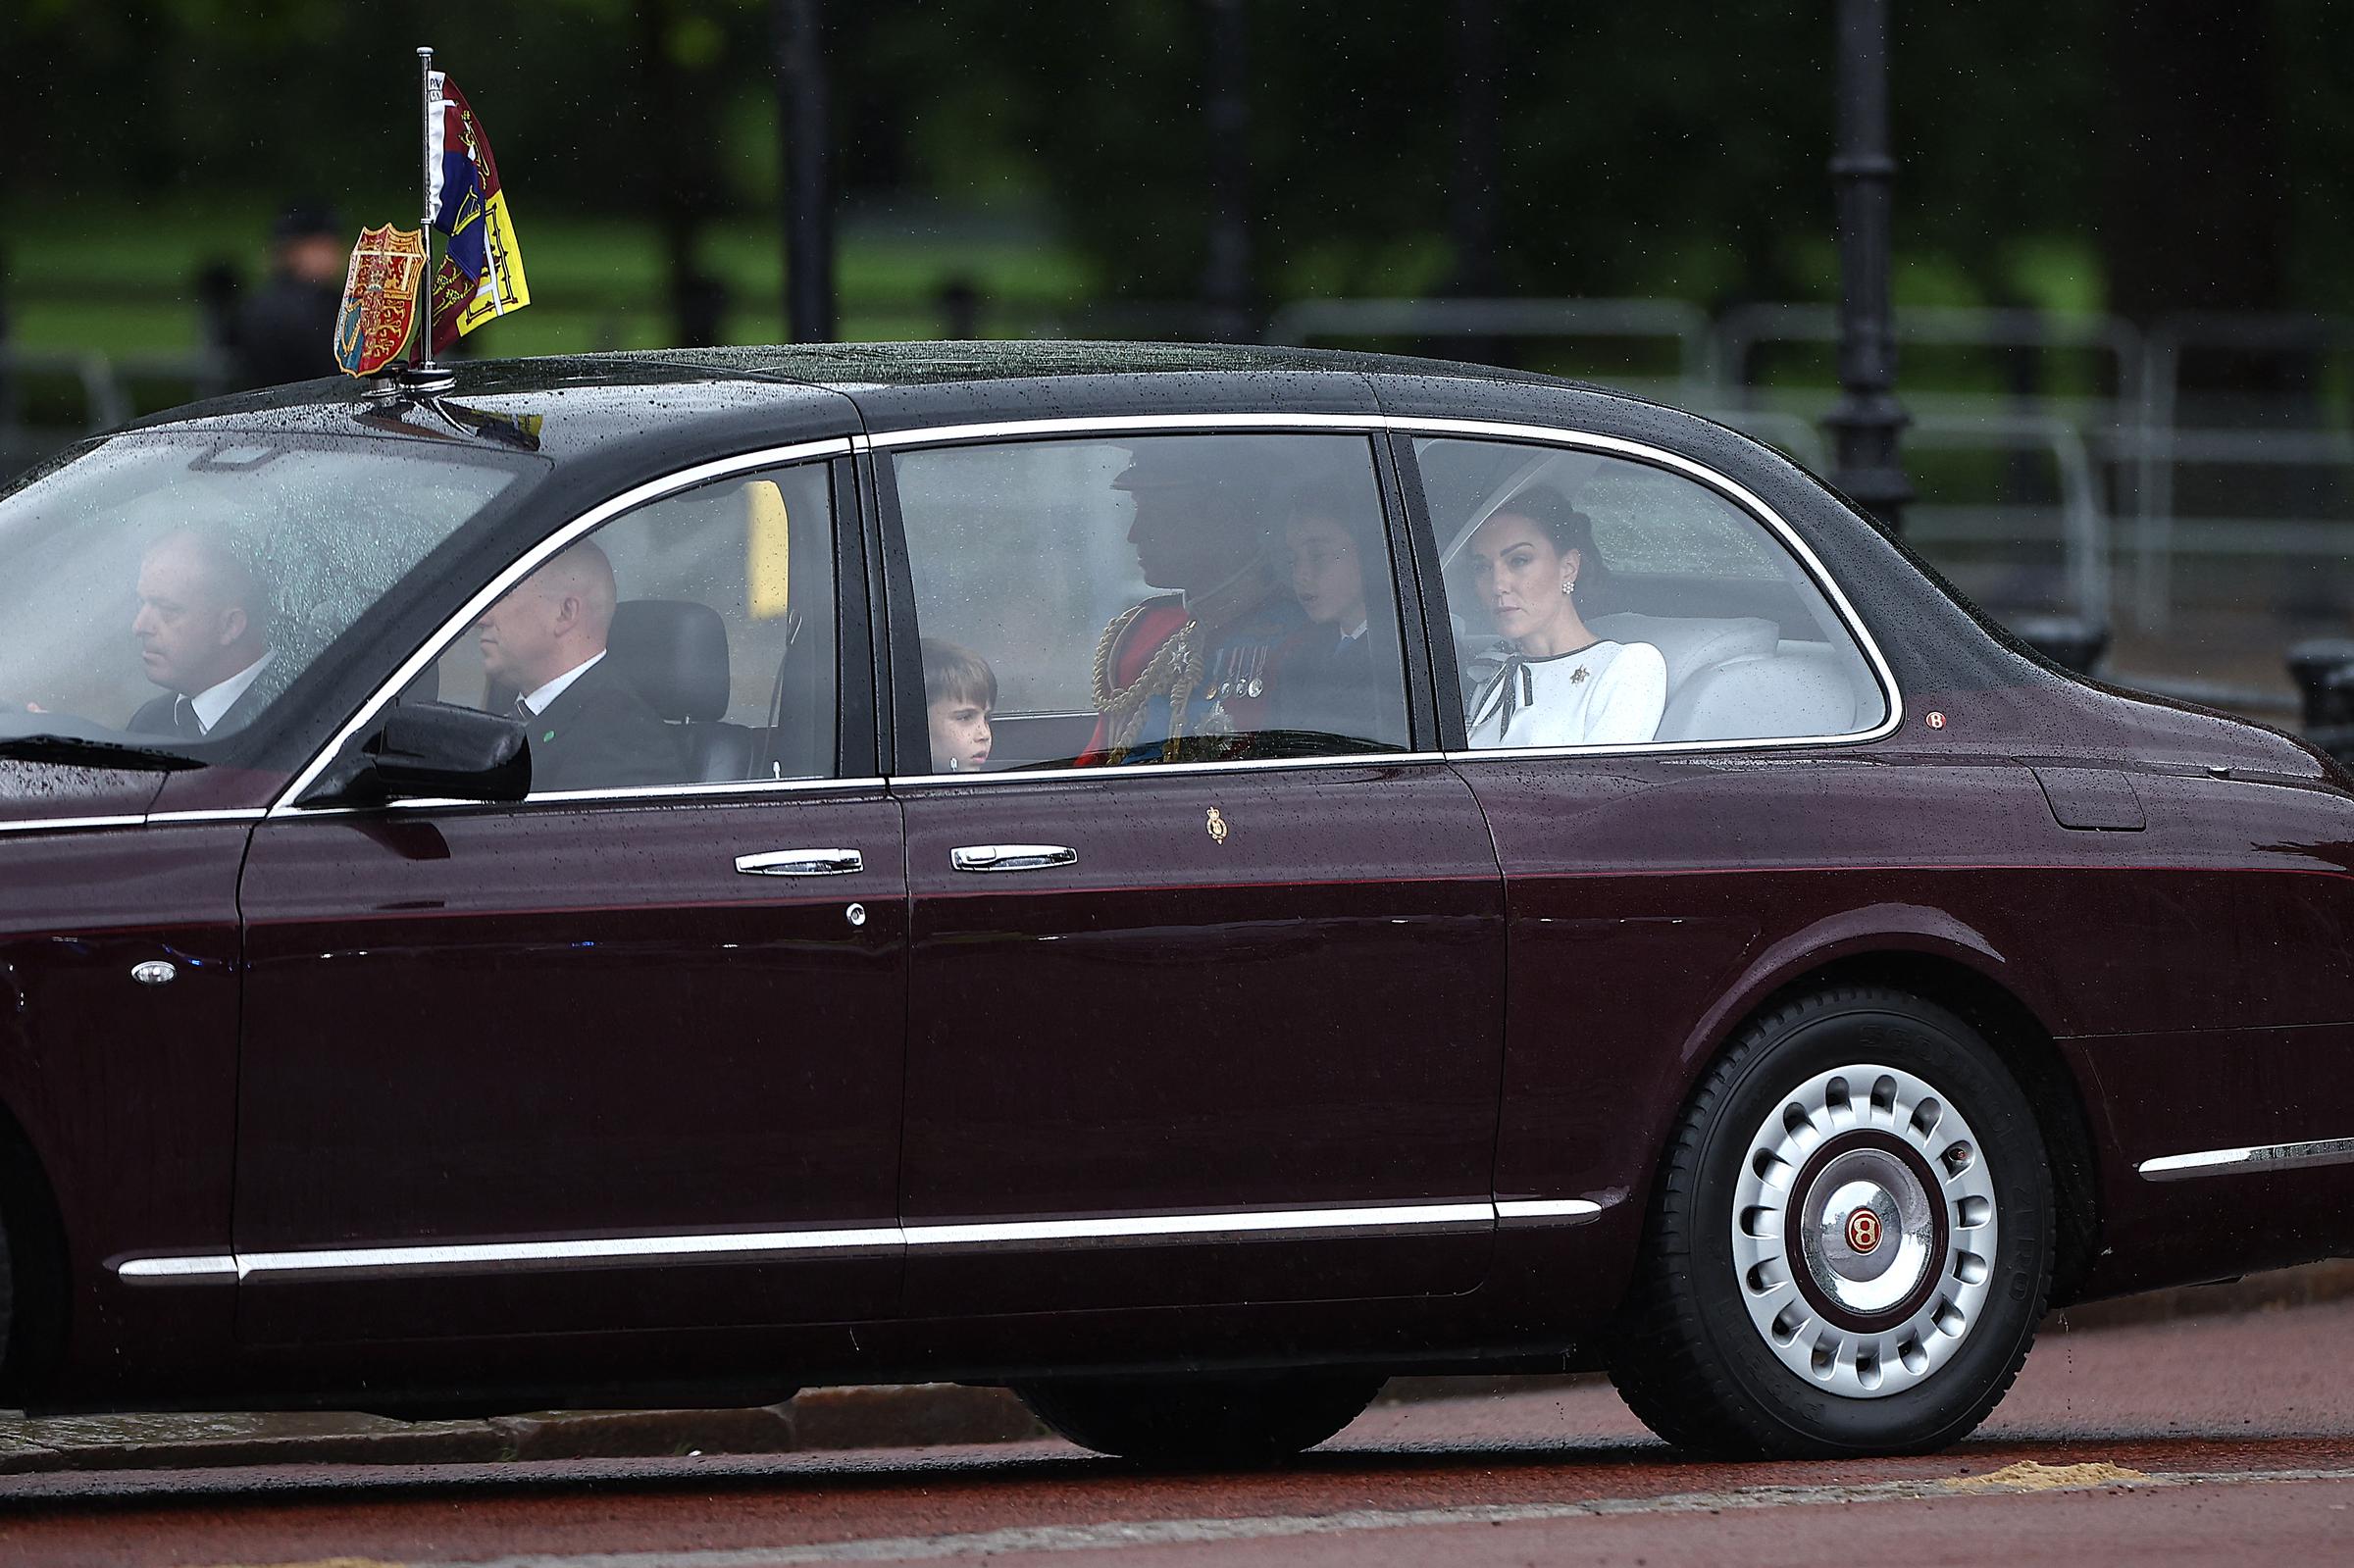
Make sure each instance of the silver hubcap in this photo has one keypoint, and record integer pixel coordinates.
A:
(1863, 1229)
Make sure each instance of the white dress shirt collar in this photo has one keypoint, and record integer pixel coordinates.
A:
(538, 700)
(213, 701)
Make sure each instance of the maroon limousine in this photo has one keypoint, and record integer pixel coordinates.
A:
(1182, 880)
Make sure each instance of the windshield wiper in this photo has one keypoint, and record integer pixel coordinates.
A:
(74, 751)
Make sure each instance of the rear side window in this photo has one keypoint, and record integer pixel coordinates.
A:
(1155, 599)
(1597, 600)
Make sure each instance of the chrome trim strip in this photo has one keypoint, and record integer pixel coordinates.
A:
(473, 1255)
(1576, 1210)
(2260, 1160)
(523, 566)
(1162, 769)
(174, 1270)
(1127, 424)
(641, 793)
(58, 824)
(646, 1248)
(1146, 1228)
(239, 814)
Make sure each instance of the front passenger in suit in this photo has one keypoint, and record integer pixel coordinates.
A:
(588, 725)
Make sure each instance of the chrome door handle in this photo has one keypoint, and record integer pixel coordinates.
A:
(1011, 857)
(801, 863)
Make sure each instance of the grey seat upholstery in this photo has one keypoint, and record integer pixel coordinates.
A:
(674, 652)
(1734, 678)
(1802, 689)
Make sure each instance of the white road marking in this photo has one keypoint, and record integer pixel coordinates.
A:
(1114, 1534)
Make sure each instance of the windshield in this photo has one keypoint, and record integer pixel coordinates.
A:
(162, 589)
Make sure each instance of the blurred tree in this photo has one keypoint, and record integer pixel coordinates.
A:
(2198, 151)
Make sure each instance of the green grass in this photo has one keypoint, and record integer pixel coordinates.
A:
(122, 279)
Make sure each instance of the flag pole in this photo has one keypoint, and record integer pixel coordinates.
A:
(423, 373)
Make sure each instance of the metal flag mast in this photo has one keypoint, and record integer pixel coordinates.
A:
(423, 375)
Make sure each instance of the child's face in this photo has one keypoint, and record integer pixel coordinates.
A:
(959, 735)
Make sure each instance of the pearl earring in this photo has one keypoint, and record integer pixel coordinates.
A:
(1569, 586)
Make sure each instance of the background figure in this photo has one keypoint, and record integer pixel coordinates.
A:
(1337, 676)
(285, 331)
(588, 725)
(203, 628)
(960, 693)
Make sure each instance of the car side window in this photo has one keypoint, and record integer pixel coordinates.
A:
(1600, 600)
(688, 641)
(1161, 598)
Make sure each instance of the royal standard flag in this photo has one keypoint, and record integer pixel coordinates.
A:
(480, 275)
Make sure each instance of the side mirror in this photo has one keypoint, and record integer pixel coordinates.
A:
(437, 751)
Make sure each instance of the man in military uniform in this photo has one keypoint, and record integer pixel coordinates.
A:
(1185, 676)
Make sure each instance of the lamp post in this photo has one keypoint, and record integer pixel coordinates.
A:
(1868, 418)
(808, 200)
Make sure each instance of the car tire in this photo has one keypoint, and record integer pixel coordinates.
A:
(1769, 1318)
(1221, 1422)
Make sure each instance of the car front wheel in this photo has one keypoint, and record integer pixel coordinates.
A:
(1851, 1241)
(1202, 1420)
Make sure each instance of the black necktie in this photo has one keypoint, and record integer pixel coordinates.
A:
(184, 721)
(523, 711)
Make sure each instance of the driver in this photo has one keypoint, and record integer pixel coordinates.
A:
(203, 625)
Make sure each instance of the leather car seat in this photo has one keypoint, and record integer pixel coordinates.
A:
(1734, 677)
(674, 652)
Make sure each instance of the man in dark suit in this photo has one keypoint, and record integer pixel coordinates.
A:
(203, 625)
(588, 725)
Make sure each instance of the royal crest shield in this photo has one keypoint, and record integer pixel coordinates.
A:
(379, 298)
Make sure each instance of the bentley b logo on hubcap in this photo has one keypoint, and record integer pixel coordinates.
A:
(1862, 1231)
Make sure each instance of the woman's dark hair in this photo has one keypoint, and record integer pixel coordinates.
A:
(1567, 528)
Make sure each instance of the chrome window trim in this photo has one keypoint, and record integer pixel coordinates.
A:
(429, 1257)
(2255, 1160)
(236, 814)
(522, 567)
(1072, 426)
(639, 794)
(1164, 770)
(1891, 696)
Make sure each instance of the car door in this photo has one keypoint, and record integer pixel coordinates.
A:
(622, 1056)
(1205, 994)
(1632, 861)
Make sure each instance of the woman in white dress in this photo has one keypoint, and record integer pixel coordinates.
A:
(1553, 682)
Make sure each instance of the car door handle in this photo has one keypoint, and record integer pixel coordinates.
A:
(1011, 857)
(801, 863)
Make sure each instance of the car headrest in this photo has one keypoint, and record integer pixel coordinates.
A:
(674, 652)
(1690, 644)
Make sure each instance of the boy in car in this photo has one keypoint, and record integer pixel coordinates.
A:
(961, 691)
